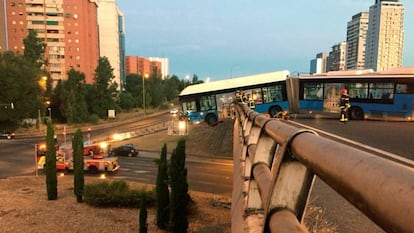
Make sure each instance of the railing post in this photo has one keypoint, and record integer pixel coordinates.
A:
(276, 181)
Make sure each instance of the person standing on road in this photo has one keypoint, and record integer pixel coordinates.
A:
(344, 105)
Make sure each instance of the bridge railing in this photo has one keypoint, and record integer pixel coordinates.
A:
(278, 163)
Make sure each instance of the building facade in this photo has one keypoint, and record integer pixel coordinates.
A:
(355, 41)
(336, 58)
(3, 27)
(385, 36)
(143, 66)
(318, 64)
(111, 33)
(68, 28)
(165, 67)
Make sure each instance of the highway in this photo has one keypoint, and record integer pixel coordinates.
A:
(391, 140)
(388, 139)
(205, 174)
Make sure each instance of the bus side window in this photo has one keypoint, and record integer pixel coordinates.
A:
(401, 88)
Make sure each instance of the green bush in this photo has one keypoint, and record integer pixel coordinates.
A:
(116, 194)
(93, 118)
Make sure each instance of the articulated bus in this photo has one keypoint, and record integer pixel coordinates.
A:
(210, 101)
(387, 95)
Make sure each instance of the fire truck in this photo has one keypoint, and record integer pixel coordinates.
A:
(108, 164)
(100, 162)
(96, 150)
(61, 159)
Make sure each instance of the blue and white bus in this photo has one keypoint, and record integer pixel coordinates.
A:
(210, 101)
(387, 95)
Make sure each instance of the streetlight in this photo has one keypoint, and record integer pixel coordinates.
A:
(146, 75)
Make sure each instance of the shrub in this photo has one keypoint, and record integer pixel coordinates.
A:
(162, 192)
(93, 118)
(143, 215)
(116, 194)
(179, 198)
(79, 179)
(50, 169)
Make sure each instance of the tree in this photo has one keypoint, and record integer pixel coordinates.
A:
(155, 93)
(143, 214)
(162, 192)
(79, 180)
(71, 98)
(195, 80)
(126, 101)
(104, 89)
(18, 85)
(34, 49)
(50, 169)
(133, 86)
(179, 189)
(172, 88)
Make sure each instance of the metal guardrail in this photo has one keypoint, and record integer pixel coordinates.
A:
(278, 163)
(139, 131)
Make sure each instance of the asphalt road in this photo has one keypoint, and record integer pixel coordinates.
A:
(391, 140)
(205, 174)
(215, 176)
(393, 137)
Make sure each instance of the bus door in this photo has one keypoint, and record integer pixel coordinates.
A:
(332, 96)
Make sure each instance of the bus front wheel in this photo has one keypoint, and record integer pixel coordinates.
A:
(274, 110)
(356, 113)
(211, 119)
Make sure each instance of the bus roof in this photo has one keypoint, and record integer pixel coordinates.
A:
(235, 83)
(399, 72)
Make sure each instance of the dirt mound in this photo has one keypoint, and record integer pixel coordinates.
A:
(202, 140)
(212, 141)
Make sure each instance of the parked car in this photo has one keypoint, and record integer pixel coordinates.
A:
(125, 150)
(6, 134)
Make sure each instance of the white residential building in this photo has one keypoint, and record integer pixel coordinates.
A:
(111, 29)
(385, 36)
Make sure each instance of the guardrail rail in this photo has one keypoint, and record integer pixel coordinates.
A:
(275, 164)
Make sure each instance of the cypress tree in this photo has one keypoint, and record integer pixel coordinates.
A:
(162, 192)
(50, 165)
(179, 189)
(78, 178)
(143, 225)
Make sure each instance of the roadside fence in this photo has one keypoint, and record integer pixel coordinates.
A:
(276, 163)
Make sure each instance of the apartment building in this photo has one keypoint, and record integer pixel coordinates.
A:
(356, 34)
(165, 67)
(111, 37)
(336, 58)
(68, 28)
(385, 36)
(142, 66)
(318, 65)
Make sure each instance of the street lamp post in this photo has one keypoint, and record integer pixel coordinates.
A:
(143, 93)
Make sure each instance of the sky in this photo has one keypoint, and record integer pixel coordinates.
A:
(227, 38)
